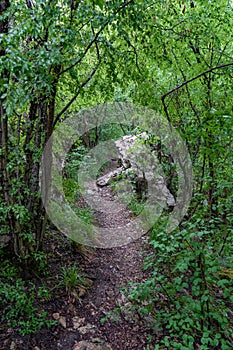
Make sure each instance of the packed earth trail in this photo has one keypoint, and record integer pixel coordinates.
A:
(102, 318)
(111, 269)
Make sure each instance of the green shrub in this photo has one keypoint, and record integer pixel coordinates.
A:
(17, 302)
(190, 290)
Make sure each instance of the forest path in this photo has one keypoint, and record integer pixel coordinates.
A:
(79, 325)
(110, 270)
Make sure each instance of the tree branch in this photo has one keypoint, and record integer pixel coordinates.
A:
(187, 89)
(95, 38)
(96, 45)
(194, 78)
(75, 96)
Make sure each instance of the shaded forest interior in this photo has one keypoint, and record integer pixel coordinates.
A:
(75, 75)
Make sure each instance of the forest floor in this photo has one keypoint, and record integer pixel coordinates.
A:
(79, 313)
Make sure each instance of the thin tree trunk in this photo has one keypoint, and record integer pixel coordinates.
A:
(4, 77)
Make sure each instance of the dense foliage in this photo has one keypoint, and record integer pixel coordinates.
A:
(175, 57)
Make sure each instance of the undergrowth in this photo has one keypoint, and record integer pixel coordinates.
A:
(18, 299)
(190, 291)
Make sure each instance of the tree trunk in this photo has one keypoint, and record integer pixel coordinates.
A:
(39, 130)
(24, 215)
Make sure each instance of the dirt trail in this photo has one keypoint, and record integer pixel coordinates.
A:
(110, 270)
(79, 319)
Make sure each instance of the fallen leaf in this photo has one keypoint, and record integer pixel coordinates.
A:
(82, 292)
(89, 328)
(13, 345)
(56, 315)
(77, 322)
(62, 321)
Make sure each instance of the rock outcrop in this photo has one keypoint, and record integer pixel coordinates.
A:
(137, 163)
